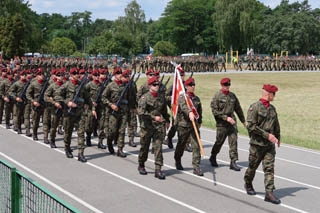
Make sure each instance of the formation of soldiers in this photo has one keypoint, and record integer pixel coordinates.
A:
(96, 101)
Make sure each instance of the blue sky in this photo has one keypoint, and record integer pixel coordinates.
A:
(112, 9)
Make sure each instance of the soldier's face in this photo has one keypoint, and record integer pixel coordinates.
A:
(190, 88)
(271, 96)
(225, 88)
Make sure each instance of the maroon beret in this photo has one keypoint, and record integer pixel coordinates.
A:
(126, 72)
(104, 71)
(95, 72)
(22, 72)
(73, 70)
(149, 71)
(189, 81)
(82, 71)
(270, 88)
(225, 80)
(53, 72)
(152, 80)
(155, 72)
(116, 70)
(39, 71)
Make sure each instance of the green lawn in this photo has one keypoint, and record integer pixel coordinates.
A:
(297, 102)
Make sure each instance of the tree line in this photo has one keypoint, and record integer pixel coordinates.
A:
(198, 26)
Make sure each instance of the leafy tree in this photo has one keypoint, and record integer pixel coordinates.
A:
(164, 48)
(62, 46)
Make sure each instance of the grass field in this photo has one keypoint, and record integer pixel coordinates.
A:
(297, 102)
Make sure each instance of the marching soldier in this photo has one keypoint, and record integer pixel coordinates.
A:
(186, 133)
(223, 106)
(4, 89)
(264, 132)
(3, 78)
(66, 94)
(152, 109)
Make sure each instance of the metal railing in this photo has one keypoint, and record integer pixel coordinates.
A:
(18, 193)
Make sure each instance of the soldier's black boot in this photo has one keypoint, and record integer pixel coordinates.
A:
(234, 166)
(95, 133)
(19, 131)
(197, 171)
(121, 154)
(28, 133)
(15, 128)
(179, 165)
(213, 161)
(271, 198)
(45, 139)
(53, 143)
(249, 188)
(7, 126)
(81, 157)
(110, 147)
(88, 140)
(69, 153)
(35, 137)
(188, 147)
(169, 142)
(159, 174)
(131, 142)
(100, 144)
(141, 169)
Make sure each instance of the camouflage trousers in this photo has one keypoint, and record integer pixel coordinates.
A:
(132, 123)
(55, 121)
(36, 115)
(46, 119)
(19, 113)
(157, 136)
(79, 117)
(93, 123)
(117, 127)
(267, 156)
(27, 115)
(187, 135)
(221, 135)
(1, 109)
(8, 109)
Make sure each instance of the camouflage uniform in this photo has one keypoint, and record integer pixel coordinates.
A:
(224, 106)
(1, 100)
(262, 121)
(4, 88)
(132, 115)
(148, 108)
(186, 132)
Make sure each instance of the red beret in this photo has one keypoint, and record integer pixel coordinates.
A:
(22, 72)
(126, 72)
(189, 81)
(28, 71)
(116, 70)
(53, 72)
(82, 71)
(39, 71)
(104, 71)
(270, 88)
(63, 69)
(95, 71)
(152, 80)
(149, 71)
(225, 80)
(73, 70)
(156, 72)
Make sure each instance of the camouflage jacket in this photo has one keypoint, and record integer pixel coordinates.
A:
(34, 90)
(224, 106)
(16, 89)
(149, 107)
(51, 92)
(183, 111)
(142, 90)
(5, 85)
(92, 89)
(111, 95)
(262, 121)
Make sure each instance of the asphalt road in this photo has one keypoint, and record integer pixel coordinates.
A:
(108, 183)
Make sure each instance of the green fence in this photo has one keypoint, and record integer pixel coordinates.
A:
(18, 193)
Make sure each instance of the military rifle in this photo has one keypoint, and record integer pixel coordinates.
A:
(137, 78)
(76, 98)
(123, 92)
(43, 89)
(24, 91)
(162, 86)
(101, 88)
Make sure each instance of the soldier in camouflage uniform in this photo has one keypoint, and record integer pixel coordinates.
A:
(4, 89)
(264, 132)
(117, 115)
(186, 132)
(223, 106)
(3, 78)
(33, 93)
(66, 95)
(56, 108)
(153, 112)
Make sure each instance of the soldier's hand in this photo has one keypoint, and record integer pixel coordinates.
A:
(18, 99)
(94, 113)
(35, 103)
(71, 104)
(114, 107)
(57, 105)
(245, 124)
(158, 118)
(6, 99)
(231, 121)
(191, 116)
(273, 139)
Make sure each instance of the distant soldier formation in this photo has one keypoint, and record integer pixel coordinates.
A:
(92, 98)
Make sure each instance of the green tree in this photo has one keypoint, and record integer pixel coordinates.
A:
(164, 48)
(62, 46)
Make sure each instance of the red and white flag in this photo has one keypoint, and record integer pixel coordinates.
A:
(177, 89)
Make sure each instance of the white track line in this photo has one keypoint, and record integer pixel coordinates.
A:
(188, 173)
(87, 205)
(282, 145)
